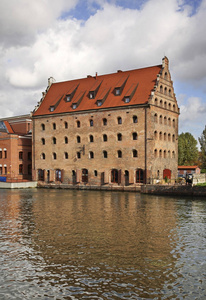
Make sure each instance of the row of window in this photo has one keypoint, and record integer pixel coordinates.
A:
(165, 91)
(91, 123)
(167, 137)
(21, 155)
(91, 154)
(167, 121)
(1, 170)
(91, 138)
(164, 104)
(165, 153)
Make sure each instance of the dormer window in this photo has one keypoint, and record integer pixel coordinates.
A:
(117, 91)
(99, 102)
(91, 95)
(68, 98)
(51, 108)
(126, 99)
(74, 106)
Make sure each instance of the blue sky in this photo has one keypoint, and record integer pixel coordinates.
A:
(70, 39)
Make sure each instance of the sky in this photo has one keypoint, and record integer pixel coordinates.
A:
(70, 39)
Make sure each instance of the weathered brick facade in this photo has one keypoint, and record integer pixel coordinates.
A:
(132, 142)
(16, 148)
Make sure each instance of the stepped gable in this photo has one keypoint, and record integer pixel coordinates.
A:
(86, 93)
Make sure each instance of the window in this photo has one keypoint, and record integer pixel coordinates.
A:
(135, 120)
(43, 156)
(160, 135)
(54, 155)
(119, 137)
(127, 99)
(161, 89)
(165, 120)
(91, 138)
(0, 153)
(105, 154)
(65, 125)
(174, 108)
(173, 138)
(173, 154)
(91, 154)
(170, 92)
(51, 108)
(155, 118)
(165, 136)
(165, 91)
(104, 137)
(78, 124)
(54, 140)
(169, 137)
(165, 104)
(42, 127)
(169, 105)
(99, 102)
(78, 139)
(68, 98)
(66, 156)
(119, 153)
(78, 155)
(155, 135)
(91, 122)
(74, 105)
(134, 136)
(29, 155)
(169, 121)
(161, 103)
(104, 121)
(21, 155)
(165, 75)
(91, 95)
(169, 154)
(165, 154)
(0, 170)
(5, 153)
(5, 170)
(160, 120)
(66, 140)
(156, 101)
(95, 173)
(21, 169)
(43, 141)
(134, 152)
(160, 153)
(173, 122)
(119, 120)
(117, 91)
(155, 153)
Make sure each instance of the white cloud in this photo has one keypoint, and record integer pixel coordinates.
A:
(37, 44)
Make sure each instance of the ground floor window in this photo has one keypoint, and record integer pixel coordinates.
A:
(84, 175)
(40, 175)
(139, 176)
(58, 175)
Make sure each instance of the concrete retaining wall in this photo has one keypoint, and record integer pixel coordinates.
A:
(18, 185)
(199, 178)
(184, 190)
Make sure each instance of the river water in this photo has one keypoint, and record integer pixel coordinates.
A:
(68, 244)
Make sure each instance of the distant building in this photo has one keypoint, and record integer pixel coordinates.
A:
(183, 170)
(120, 128)
(16, 148)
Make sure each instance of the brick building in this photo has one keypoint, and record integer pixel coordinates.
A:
(119, 128)
(16, 148)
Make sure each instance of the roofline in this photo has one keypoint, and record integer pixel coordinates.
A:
(91, 110)
(16, 117)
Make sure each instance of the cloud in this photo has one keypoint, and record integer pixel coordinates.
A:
(36, 43)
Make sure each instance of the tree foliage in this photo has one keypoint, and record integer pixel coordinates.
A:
(187, 149)
(202, 141)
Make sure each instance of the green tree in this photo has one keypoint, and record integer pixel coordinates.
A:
(187, 149)
(202, 141)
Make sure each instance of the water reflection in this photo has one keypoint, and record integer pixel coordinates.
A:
(101, 245)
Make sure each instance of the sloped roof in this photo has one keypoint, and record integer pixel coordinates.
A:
(139, 83)
(8, 126)
(187, 167)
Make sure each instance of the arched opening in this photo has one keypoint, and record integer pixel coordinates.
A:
(85, 175)
(126, 176)
(116, 176)
(40, 175)
(167, 174)
(74, 178)
(58, 175)
(48, 175)
(139, 176)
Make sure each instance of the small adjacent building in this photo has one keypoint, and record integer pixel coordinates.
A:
(116, 129)
(184, 170)
(16, 148)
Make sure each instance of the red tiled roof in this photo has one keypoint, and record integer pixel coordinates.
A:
(187, 167)
(8, 126)
(144, 79)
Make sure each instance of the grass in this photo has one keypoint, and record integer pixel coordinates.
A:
(201, 184)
